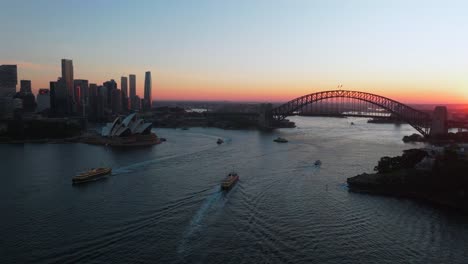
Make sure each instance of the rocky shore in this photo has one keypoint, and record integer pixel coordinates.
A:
(437, 178)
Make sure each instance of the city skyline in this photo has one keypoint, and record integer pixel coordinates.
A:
(243, 51)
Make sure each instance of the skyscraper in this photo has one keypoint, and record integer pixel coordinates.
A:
(111, 86)
(62, 102)
(8, 82)
(124, 85)
(124, 89)
(132, 90)
(25, 86)
(81, 91)
(67, 76)
(53, 99)
(147, 97)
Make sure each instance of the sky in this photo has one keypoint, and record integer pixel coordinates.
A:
(246, 50)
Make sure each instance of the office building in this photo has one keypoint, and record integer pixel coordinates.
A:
(8, 82)
(81, 91)
(124, 85)
(62, 100)
(43, 100)
(25, 87)
(132, 78)
(124, 89)
(111, 86)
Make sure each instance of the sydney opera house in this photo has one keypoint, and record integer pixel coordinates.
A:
(130, 131)
(129, 126)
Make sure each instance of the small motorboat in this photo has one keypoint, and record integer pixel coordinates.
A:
(318, 163)
(162, 139)
(219, 141)
(230, 180)
(352, 123)
(280, 140)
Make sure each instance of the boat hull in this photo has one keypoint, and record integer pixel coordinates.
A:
(228, 184)
(92, 176)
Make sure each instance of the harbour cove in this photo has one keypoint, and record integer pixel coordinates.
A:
(164, 203)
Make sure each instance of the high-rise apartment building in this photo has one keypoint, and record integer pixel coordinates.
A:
(147, 96)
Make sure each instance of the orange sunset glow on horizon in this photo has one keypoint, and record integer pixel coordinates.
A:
(254, 52)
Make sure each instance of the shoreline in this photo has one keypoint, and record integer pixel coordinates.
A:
(446, 201)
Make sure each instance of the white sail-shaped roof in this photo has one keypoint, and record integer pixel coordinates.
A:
(130, 125)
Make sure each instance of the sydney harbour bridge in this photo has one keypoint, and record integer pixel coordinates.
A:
(355, 103)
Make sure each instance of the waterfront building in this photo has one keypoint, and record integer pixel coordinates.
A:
(147, 95)
(132, 78)
(43, 100)
(25, 86)
(67, 76)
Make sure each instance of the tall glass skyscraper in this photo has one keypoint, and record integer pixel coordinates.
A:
(8, 82)
(133, 103)
(124, 85)
(147, 97)
(67, 77)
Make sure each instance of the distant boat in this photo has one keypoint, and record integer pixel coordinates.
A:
(185, 128)
(162, 139)
(91, 175)
(318, 163)
(230, 180)
(352, 123)
(280, 140)
(219, 141)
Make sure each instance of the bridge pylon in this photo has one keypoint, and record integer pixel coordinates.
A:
(265, 117)
(439, 124)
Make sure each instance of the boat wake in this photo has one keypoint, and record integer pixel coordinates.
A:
(134, 166)
(212, 203)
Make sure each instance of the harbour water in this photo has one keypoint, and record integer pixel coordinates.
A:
(163, 204)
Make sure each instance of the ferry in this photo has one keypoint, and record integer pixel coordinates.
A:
(219, 141)
(280, 140)
(230, 180)
(91, 175)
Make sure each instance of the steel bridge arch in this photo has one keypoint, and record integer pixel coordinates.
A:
(417, 119)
